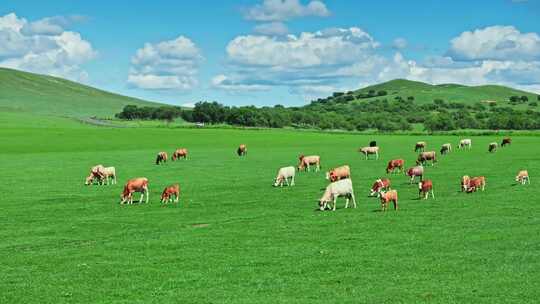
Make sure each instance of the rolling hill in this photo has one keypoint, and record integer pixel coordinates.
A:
(29, 93)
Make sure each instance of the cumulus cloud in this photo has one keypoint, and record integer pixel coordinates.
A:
(282, 10)
(399, 43)
(272, 28)
(225, 83)
(167, 65)
(495, 43)
(44, 46)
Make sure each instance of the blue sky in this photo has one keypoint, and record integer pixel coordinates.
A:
(270, 52)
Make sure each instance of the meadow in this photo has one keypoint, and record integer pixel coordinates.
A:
(234, 238)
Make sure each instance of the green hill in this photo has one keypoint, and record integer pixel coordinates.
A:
(45, 95)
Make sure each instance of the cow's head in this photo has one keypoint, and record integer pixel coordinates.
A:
(323, 204)
(376, 188)
(277, 181)
(89, 179)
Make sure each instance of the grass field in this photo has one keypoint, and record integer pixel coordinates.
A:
(235, 239)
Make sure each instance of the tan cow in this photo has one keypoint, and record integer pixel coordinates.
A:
(180, 153)
(475, 183)
(338, 173)
(370, 150)
(171, 194)
(242, 150)
(395, 164)
(420, 146)
(139, 184)
(308, 161)
(161, 158)
(427, 156)
(523, 177)
(387, 197)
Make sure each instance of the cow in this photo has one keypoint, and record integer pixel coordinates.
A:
(372, 143)
(139, 184)
(381, 184)
(423, 157)
(283, 175)
(492, 147)
(424, 187)
(242, 150)
(338, 173)
(180, 153)
(446, 148)
(414, 172)
(465, 143)
(387, 197)
(506, 141)
(475, 183)
(102, 175)
(161, 158)
(464, 182)
(523, 177)
(307, 161)
(420, 146)
(94, 175)
(395, 164)
(370, 150)
(171, 193)
(334, 190)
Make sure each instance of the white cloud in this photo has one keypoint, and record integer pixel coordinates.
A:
(225, 83)
(281, 10)
(399, 43)
(44, 46)
(167, 65)
(272, 28)
(495, 43)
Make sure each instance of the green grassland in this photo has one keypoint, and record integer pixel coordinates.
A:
(235, 239)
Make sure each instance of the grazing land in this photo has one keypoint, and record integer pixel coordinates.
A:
(235, 239)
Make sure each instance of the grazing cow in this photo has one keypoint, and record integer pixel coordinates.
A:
(424, 187)
(506, 141)
(94, 175)
(242, 150)
(171, 194)
(372, 143)
(465, 143)
(370, 150)
(427, 156)
(446, 148)
(420, 146)
(387, 197)
(334, 190)
(464, 182)
(523, 177)
(107, 173)
(338, 173)
(492, 148)
(180, 153)
(283, 175)
(139, 184)
(161, 158)
(475, 183)
(307, 161)
(414, 172)
(395, 164)
(382, 184)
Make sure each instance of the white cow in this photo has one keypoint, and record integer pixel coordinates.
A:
(336, 189)
(465, 143)
(283, 175)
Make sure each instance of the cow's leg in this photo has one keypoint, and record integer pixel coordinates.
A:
(335, 201)
(432, 194)
(292, 181)
(377, 155)
(147, 194)
(287, 181)
(346, 202)
(141, 198)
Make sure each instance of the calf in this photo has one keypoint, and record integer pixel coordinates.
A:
(465, 143)
(523, 177)
(475, 183)
(308, 161)
(420, 146)
(506, 141)
(161, 158)
(283, 175)
(180, 153)
(446, 148)
(395, 164)
(171, 194)
(140, 185)
(242, 150)
(424, 187)
(334, 190)
(382, 184)
(464, 182)
(387, 197)
(427, 156)
(414, 172)
(338, 173)
(492, 147)
(370, 150)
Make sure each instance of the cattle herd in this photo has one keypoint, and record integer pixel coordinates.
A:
(340, 177)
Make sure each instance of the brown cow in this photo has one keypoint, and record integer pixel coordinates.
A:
(170, 193)
(506, 141)
(423, 157)
(464, 182)
(424, 187)
(161, 158)
(475, 183)
(307, 161)
(381, 184)
(338, 173)
(139, 184)
(420, 146)
(492, 147)
(242, 150)
(180, 153)
(395, 164)
(414, 172)
(523, 177)
(387, 197)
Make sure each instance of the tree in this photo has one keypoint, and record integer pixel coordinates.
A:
(410, 98)
(524, 98)
(382, 93)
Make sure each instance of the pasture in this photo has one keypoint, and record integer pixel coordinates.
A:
(233, 238)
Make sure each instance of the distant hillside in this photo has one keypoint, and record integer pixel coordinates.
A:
(426, 93)
(40, 94)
